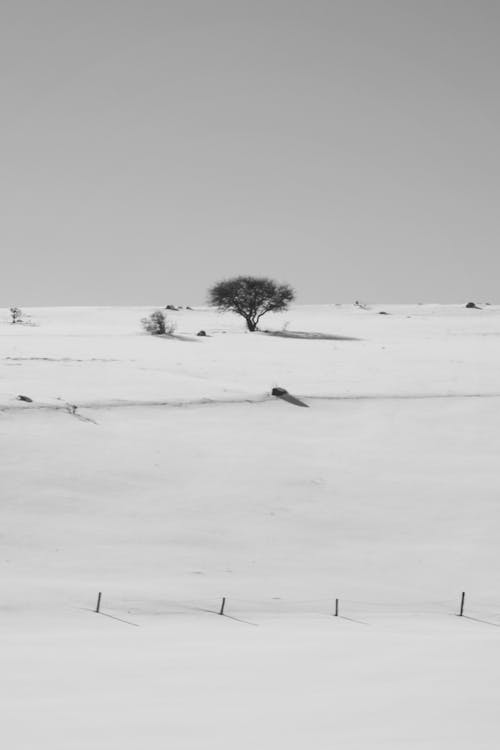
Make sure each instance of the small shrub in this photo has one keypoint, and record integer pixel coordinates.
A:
(16, 315)
(157, 324)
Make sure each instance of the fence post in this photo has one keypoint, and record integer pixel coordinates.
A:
(462, 602)
(221, 612)
(98, 607)
(336, 608)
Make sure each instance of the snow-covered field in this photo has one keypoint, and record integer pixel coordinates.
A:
(178, 480)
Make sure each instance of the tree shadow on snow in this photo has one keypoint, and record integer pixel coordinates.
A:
(310, 335)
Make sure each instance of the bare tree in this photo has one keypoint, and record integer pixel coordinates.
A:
(251, 297)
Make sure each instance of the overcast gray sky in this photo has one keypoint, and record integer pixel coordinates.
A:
(150, 148)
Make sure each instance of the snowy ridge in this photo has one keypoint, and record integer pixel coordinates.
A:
(258, 399)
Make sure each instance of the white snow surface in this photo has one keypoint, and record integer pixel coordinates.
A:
(162, 472)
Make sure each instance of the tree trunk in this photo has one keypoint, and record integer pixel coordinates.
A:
(251, 324)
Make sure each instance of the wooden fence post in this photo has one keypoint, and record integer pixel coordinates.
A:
(336, 608)
(462, 602)
(98, 607)
(221, 612)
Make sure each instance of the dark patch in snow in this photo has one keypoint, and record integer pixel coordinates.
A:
(283, 394)
(311, 335)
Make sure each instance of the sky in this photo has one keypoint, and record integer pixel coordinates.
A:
(151, 148)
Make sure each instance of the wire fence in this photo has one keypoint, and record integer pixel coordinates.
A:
(366, 611)
(147, 607)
